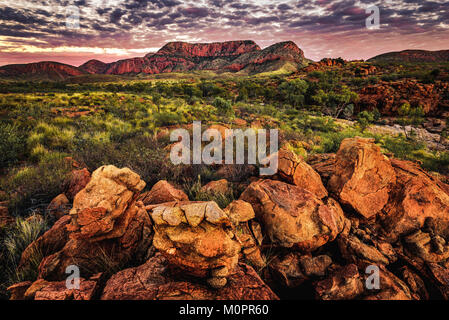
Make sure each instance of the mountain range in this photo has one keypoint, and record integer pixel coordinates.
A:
(243, 57)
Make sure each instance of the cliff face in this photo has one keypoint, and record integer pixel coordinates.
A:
(231, 56)
(413, 56)
(46, 69)
(216, 49)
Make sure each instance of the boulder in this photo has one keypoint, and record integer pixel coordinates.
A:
(239, 211)
(163, 192)
(315, 266)
(363, 176)
(219, 186)
(102, 210)
(323, 164)
(415, 197)
(44, 290)
(59, 206)
(344, 284)
(292, 216)
(78, 181)
(153, 281)
(293, 169)
(197, 238)
(286, 271)
(108, 227)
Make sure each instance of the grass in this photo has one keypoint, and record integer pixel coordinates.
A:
(195, 193)
(14, 241)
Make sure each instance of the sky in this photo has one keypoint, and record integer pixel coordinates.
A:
(74, 31)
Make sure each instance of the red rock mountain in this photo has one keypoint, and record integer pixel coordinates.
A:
(231, 56)
(94, 66)
(40, 70)
(413, 56)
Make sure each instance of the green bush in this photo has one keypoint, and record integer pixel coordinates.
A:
(223, 106)
(12, 145)
(35, 186)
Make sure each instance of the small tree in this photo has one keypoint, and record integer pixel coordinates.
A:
(157, 101)
(364, 119)
(224, 106)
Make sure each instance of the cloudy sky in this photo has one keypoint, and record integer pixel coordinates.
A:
(115, 29)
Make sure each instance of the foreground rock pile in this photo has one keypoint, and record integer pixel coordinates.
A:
(350, 225)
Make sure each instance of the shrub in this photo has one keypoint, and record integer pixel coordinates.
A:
(33, 187)
(223, 106)
(195, 193)
(364, 119)
(12, 145)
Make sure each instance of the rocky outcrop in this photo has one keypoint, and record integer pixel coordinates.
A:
(388, 97)
(323, 64)
(153, 281)
(292, 216)
(196, 238)
(363, 176)
(107, 226)
(300, 243)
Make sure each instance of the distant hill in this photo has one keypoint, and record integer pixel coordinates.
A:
(244, 57)
(46, 70)
(413, 56)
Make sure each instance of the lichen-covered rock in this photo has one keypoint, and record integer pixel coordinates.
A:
(197, 238)
(153, 281)
(108, 226)
(163, 192)
(239, 211)
(292, 216)
(363, 176)
(44, 290)
(344, 284)
(293, 169)
(102, 209)
(415, 197)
